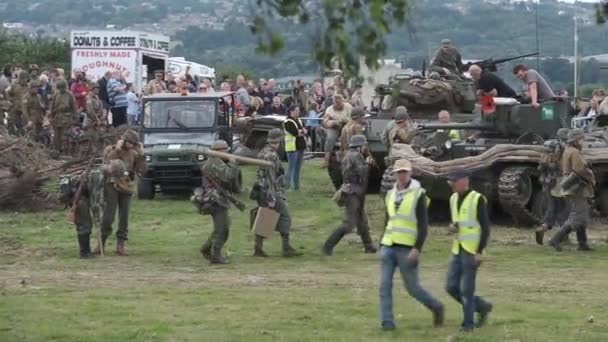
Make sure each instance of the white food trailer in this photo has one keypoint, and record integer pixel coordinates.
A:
(136, 54)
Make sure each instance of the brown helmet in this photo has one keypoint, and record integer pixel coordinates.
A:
(130, 136)
(220, 145)
(62, 85)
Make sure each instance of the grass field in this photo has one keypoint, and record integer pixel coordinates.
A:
(164, 291)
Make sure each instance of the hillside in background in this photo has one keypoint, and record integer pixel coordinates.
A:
(215, 32)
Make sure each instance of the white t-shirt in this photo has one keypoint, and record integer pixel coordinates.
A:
(132, 105)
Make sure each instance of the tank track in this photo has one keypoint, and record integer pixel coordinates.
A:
(388, 181)
(509, 196)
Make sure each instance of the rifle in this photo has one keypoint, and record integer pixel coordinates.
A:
(226, 194)
(490, 64)
(83, 177)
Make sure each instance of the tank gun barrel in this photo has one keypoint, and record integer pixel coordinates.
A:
(491, 63)
(457, 126)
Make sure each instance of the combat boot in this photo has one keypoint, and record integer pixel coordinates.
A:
(206, 249)
(367, 242)
(97, 250)
(332, 241)
(217, 258)
(259, 247)
(85, 247)
(288, 251)
(557, 238)
(438, 316)
(581, 236)
(121, 249)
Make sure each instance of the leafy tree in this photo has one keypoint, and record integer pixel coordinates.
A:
(347, 29)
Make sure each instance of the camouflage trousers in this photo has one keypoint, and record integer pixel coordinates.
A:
(220, 233)
(83, 219)
(578, 219)
(556, 212)
(115, 200)
(354, 217)
(59, 138)
(15, 123)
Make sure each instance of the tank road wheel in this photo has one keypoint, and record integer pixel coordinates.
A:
(516, 194)
(145, 190)
(388, 181)
(334, 170)
(602, 201)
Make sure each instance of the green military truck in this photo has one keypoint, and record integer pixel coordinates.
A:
(175, 130)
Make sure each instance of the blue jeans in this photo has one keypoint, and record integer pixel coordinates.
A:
(461, 286)
(294, 161)
(391, 258)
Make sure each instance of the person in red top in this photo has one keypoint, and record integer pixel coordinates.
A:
(80, 91)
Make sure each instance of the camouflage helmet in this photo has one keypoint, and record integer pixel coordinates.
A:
(130, 136)
(220, 145)
(357, 112)
(575, 135)
(562, 134)
(62, 85)
(434, 75)
(401, 114)
(550, 145)
(274, 136)
(358, 140)
(115, 168)
(34, 85)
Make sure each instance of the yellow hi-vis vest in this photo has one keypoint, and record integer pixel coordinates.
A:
(290, 140)
(402, 227)
(469, 229)
(453, 134)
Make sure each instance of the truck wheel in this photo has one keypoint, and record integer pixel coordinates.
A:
(237, 185)
(145, 190)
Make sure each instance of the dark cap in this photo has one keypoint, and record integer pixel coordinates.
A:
(454, 176)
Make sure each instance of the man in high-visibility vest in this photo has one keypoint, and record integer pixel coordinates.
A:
(404, 236)
(471, 225)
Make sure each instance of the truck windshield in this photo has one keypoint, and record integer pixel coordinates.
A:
(179, 114)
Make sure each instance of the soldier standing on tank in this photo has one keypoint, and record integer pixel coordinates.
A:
(16, 93)
(550, 171)
(271, 194)
(447, 59)
(217, 172)
(63, 112)
(34, 111)
(573, 164)
(355, 126)
(120, 189)
(355, 170)
(157, 85)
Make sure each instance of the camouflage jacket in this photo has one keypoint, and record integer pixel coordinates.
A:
(63, 109)
(550, 168)
(33, 108)
(401, 135)
(134, 161)
(450, 60)
(355, 172)
(222, 173)
(94, 111)
(93, 190)
(15, 95)
(271, 180)
(351, 128)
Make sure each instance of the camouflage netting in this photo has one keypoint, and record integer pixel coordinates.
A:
(29, 175)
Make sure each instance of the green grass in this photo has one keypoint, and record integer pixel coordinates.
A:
(165, 292)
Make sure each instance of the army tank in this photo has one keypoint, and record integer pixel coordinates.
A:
(502, 150)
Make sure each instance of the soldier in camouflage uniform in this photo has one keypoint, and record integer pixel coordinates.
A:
(578, 192)
(269, 193)
(90, 205)
(401, 132)
(211, 202)
(120, 188)
(34, 111)
(16, 93)
(355, 126)
(355, 168)
(550, 171)
(95, 120)
(447, 59)
(63, 112)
